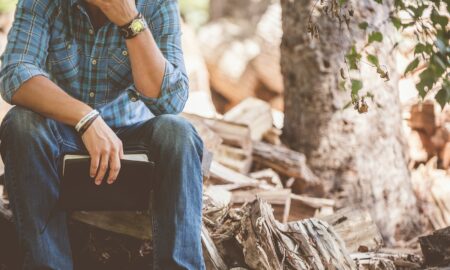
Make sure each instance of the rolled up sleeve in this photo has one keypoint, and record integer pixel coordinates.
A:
(26, 52)
(166, 29)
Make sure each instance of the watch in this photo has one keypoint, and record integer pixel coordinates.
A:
(133, 28)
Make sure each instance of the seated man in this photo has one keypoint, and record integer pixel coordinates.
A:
(98, 76)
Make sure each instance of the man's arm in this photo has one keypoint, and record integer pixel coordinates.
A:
(24, 82)
(156, 59)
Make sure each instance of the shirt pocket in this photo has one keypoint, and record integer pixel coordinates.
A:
(64, 60)
(119, 69)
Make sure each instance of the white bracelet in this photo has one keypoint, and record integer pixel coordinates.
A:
(85, 119)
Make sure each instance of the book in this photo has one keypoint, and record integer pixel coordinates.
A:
(131, 190)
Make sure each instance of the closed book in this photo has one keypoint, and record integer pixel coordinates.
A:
(130, 192)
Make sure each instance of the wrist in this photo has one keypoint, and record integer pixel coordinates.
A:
(86, 121)
(136, 26)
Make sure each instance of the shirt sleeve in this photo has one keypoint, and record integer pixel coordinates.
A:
(166, 29)
(26, 52)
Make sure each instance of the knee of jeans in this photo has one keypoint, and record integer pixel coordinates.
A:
(174, 132)
(21, 123)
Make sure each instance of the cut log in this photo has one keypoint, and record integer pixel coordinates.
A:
(211, 141)
(270, 245)
(423, 118)
(431, 190)
(269, 176)
(254, 113)
(289, 163)
(213, 259)
(419, 151)
(243, 55)
(303, 207)
(235, 180)
(236, 150)
(357, 229)
(386, 261)
(228, 46)
(436, 247)
(272, 136)
(280, 199)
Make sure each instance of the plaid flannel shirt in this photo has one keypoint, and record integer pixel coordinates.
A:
(55, 39)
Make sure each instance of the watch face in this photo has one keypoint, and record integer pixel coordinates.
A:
(137, 26)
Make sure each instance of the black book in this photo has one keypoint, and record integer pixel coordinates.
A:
(131, 190)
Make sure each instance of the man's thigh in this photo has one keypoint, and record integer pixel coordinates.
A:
(23, 126)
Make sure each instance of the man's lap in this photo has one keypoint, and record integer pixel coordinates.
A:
(28, 126)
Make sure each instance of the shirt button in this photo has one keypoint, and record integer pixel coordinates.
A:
(91, 31)
(94, 62)
(69, 46)
(124, 53)
(133, 99)
(92, 94)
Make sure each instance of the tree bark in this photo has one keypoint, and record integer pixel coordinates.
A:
(359, 157)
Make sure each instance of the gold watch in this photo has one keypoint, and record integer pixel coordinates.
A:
(133, 28)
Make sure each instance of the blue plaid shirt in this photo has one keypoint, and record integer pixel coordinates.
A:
(55, 39)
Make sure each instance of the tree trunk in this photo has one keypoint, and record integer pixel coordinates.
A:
(360, 158)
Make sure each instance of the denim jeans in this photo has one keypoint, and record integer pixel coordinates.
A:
(32, 147)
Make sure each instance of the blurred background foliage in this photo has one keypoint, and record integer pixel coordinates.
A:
(7, 5)
(195, 12)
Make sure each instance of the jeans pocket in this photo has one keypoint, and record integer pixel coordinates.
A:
(119, 69)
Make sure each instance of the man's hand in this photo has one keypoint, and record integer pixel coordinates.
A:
(105, 149)
(120, 12)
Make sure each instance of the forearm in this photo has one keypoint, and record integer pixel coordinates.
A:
(147, 64)
(41, 95)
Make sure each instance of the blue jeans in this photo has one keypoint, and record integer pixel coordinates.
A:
(32, 147)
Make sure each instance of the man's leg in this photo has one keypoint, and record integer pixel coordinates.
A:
(31, 146)
(177, 150)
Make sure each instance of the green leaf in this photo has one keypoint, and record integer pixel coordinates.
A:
(396, 22)
(363, 25)
(423, 48)
(342, 2)
(427, 80)
(418, 11)
(412, 66)
(436, 18)
(353, 58)
(373, 59)
(442, 97)
(379, 1)
(399, 4)
(375, 37)
(356, 86)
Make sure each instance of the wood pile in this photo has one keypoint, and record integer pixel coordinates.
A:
(243, 55)
(430, 134)
(264, 208)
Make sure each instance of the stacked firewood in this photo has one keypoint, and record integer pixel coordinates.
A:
(263, 209)
(242, 54)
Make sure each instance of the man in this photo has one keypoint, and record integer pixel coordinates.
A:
(95, 75)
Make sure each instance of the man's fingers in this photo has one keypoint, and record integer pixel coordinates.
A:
(121, 151)
(95, 159)
(114, 167)
(102, 169)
